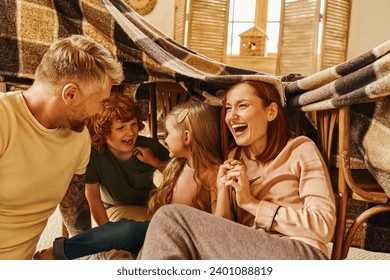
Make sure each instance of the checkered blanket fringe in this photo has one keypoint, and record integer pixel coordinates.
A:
(148, 55)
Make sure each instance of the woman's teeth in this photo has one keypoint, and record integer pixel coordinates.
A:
(239, 127)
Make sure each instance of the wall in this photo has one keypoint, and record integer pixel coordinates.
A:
(261, 64)
(369, 26)
(162, 16)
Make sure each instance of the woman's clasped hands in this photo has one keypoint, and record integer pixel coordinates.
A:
(232, 176)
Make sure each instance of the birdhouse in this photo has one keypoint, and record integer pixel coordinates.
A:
(253, 42)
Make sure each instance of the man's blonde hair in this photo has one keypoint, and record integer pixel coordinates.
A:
(81, 58)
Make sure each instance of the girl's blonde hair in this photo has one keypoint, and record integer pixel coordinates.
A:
(202, 121)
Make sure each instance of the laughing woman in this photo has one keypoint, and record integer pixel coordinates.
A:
(120, 172)
(274, 201)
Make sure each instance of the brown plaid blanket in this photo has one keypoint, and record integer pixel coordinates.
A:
(28, 27)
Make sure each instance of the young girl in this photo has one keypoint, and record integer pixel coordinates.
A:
(189, 178)
(192, 137)
(120, 172)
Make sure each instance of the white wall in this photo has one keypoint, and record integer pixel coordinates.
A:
(162, 16)
(369, 26)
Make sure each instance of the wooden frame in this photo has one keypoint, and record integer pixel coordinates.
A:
(163, 97)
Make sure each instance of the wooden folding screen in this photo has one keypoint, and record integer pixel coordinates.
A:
(207, 26)
(335, 32)
(180, 21)
(298, 37)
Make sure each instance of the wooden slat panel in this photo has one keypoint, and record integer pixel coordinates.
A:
(335, 35)
(298, 38)
(180, 21)
(207, 32)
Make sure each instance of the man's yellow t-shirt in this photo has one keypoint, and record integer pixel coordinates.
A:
(36, 167)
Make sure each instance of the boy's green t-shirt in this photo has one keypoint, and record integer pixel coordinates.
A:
(124, 182)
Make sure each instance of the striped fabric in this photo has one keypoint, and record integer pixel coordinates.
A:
(356, 80)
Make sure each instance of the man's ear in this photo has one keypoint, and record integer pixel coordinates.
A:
(71, 94)
(187, 137)
(272, 111)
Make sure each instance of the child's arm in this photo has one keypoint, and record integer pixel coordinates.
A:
(98, 211)
(145, 154)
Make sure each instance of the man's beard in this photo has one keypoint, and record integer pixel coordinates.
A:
(77, 126)
(74, 121)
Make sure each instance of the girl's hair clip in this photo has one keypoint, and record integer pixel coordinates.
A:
(182, 115)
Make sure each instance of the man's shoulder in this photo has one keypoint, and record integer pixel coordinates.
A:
(10, 95)
(9, 98)
(9, 105)
(82, 136)
(80, 141)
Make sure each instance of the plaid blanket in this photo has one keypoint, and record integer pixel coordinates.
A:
(148, 55)
(370, 132)
(354, 81)
(350, 83)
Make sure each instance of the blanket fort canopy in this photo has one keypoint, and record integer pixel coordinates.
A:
(148, 55)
